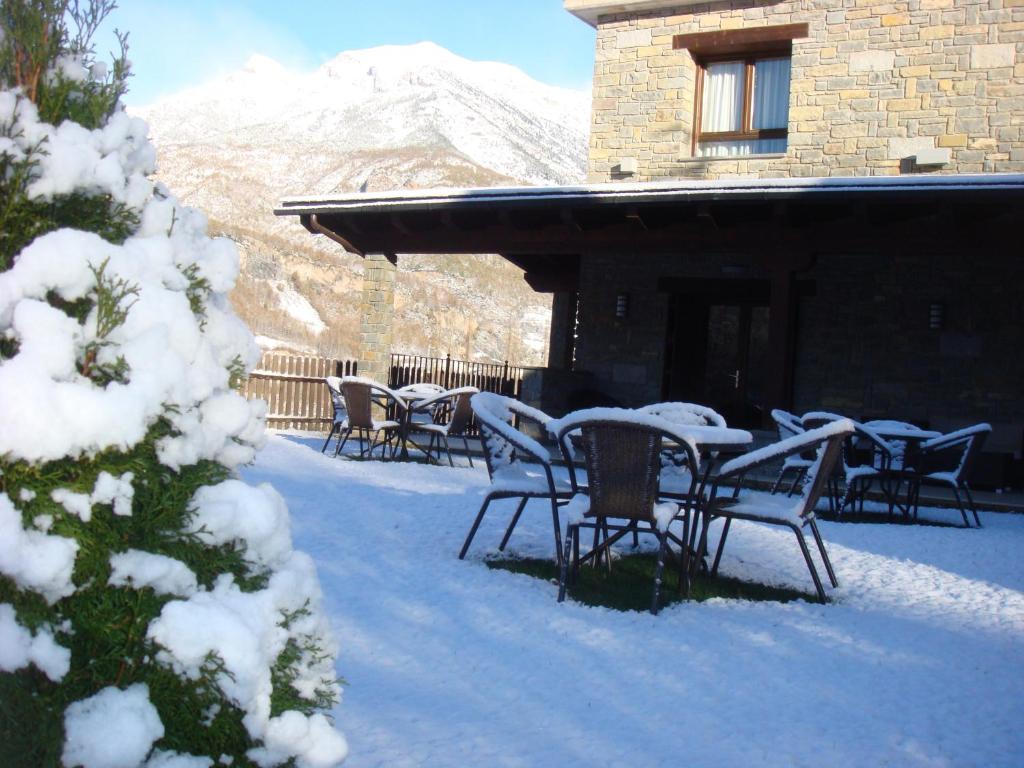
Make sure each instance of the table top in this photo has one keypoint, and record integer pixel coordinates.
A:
(710, 436)
(900, 430)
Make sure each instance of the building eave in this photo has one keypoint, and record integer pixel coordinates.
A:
(648, 192)
(591, 11)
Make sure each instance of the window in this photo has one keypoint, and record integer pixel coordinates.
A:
(743, 106)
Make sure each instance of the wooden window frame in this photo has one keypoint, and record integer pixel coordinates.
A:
(747, 45)
(747, 132)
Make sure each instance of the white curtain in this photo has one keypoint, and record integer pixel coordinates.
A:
(722, 105)
(771, 93)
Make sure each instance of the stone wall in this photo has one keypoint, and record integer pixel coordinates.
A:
(871, 314)
(868, 314)
(875, 82)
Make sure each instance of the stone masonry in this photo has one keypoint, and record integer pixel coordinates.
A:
(874, 83)
(378, 306)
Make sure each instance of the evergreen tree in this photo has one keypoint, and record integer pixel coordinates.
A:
(152, 609)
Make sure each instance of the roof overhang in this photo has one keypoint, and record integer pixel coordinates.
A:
(546, 229)
(592, 10)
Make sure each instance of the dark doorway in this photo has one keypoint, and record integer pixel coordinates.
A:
(717, 349)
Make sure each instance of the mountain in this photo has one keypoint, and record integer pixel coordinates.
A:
(384, 118)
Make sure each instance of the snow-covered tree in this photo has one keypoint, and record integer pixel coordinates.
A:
(152, 609)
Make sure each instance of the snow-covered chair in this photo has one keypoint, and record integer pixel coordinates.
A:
(884, 466)
(963, 445)
(622, 451)
(827, 443)
(338, 420)
(519, 466)
(360, 395)
(450, 415)
(788, 425)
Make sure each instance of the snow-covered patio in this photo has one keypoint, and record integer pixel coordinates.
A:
(918, 661)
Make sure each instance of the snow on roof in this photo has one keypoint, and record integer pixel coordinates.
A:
(650, 191)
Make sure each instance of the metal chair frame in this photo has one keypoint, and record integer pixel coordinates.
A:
(452, 413)
(339, 420)
(827, 441)
(505, 446)
(969, 441)
(858, 477)
(788, 425)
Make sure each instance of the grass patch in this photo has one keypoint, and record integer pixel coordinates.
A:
(628, 587)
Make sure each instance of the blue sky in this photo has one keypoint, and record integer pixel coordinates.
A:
(175, 44)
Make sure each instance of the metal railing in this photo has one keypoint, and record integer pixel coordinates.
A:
(501, 378)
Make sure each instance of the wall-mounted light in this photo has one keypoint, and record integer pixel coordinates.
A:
(621, 306)
(936, 311)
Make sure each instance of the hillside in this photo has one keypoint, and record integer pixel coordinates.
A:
(392, 117)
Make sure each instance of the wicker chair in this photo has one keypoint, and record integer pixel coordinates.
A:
(519, 467)
(827, 441)
(622, 452)
(451, 413)
(339, 421)
(963, 446)
(360, 396)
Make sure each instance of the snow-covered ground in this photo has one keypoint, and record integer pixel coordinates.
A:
(918, 661)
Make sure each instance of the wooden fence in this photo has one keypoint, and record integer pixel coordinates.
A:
(293, 386)
(294, 389)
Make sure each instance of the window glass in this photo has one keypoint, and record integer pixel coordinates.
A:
(771, 93)
(722, 108)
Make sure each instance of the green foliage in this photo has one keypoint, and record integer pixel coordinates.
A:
(34, 36)
(105, 628)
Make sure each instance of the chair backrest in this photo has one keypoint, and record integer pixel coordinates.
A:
(881, 450)
(461, 409)
(788, 424)
(969, 440)
(358, 404)
(683, 414)
(504, 445)
(359, 395)
(622, 452)
(333, 384)
(825, 438)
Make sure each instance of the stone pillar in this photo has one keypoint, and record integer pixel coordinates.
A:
(377, 316)
(563, 327)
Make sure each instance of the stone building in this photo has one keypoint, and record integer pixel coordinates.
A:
(808, 205)
(872, 86)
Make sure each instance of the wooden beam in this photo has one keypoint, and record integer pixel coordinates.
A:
(726, 40)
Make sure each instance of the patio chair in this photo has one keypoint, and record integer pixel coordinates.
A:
(884, 466)
(963, 447)
(826, 441)
(788, 424)
(519, 467)
(339, 419)
(360, 396)
(622, 452)
(452, 413)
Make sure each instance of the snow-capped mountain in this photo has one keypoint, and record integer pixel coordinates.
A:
(383, 118)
